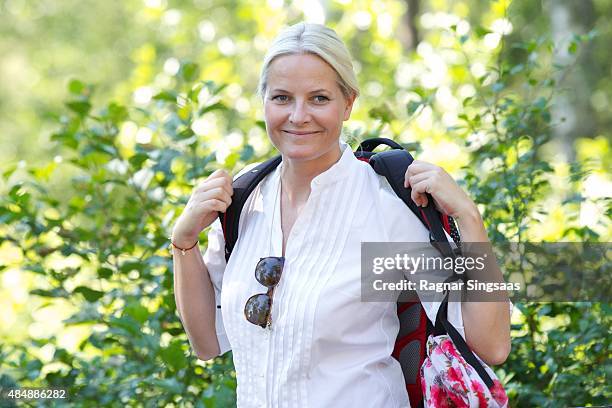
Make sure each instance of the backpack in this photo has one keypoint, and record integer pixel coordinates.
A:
(415, 327)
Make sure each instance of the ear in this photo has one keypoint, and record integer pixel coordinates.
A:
(349, 107)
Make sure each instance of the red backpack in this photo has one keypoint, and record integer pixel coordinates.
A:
(414, 329)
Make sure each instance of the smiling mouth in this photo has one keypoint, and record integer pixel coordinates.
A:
(300, 133)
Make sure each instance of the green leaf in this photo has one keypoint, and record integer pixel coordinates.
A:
(481, 31)
(413, 106)
(189, 71)
(130, 266)
(104, 149)
(185, 134)
(194, 92)
(214, 106)
(382, 112)
(67, 139)
(105, 273)
(175, 331)
(137, 160)
(53, 293)
(173, 355)
(9, 171)
(76, 87)
(127, 324)
(171, 385)
(63, 356)
(261, 124)
(137, 311)
(43, 173)
(232, 159)
(213, 88)
(90, 295)
(87, 314)
(167, 95)
(117, 113)
(82, 108)
(33, 369)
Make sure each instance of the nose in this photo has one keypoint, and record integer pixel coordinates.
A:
(299, 114)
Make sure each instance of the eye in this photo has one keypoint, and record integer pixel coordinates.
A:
(280, 98)
(321, 99)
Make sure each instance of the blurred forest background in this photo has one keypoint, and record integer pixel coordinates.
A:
(111, 111)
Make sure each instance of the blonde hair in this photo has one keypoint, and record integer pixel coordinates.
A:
(317, 39)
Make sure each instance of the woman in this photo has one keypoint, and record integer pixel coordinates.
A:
(324, 347)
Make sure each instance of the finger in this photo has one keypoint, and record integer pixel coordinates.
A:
(218, 173)
(213, 205)
(418, 192)
(419, 166)
(417, 178)
(214, 175)
(407, 177)
(218, 193)
(210, 184)
(225, 183)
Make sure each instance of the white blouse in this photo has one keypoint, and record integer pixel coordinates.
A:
(325, 347)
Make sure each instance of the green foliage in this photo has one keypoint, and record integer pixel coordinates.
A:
(560, 351)
(116, 223)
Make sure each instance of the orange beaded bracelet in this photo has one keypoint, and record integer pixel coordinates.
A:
(183, 250)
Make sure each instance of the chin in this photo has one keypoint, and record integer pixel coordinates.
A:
(299, 148)
(301, 153)
(303, 148)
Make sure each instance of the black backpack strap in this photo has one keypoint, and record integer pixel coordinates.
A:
(365, 150)
(369, 145)
(392, 164)
(243, 187)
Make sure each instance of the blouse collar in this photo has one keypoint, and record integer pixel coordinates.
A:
(338, 171)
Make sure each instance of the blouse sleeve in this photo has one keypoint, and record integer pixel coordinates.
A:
(214, 259)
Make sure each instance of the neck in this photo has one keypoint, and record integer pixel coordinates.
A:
(298, 174)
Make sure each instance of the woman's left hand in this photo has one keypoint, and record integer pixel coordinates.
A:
(449, 198)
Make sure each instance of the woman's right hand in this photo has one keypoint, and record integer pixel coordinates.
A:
(208, 198)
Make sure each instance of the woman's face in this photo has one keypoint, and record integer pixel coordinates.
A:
(304, 107)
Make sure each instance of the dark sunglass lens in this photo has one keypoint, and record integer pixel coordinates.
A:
(268, 270)
(257, 309)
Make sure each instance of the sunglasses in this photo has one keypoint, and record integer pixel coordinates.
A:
(257, 309)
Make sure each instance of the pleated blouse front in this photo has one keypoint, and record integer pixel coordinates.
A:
(325, 347)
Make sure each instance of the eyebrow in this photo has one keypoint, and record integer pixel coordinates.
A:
(311, 92)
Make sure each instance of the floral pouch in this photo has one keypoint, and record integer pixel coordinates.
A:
(449, 381)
